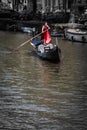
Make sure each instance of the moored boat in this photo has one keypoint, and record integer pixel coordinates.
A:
(57, 34)
(48, 52)
(28, 30)
(75, 34)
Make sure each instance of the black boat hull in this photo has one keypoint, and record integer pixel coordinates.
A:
(49, 54)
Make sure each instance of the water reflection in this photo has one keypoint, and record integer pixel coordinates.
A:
(36, 94)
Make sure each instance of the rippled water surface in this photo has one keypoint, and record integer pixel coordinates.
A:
(38, 95)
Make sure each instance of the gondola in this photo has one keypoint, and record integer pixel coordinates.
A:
(49, 52)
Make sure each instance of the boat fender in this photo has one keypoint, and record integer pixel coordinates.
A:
(72, 38)
(83, 39)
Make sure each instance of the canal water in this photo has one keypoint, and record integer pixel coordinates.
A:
(39, 95)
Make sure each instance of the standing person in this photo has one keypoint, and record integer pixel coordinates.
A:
(45, 33)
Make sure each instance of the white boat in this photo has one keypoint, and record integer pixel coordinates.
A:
(75, 34)
(28, 30)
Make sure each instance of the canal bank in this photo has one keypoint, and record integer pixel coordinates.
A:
(10, 24)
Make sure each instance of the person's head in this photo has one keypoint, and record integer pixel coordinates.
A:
(45, 23)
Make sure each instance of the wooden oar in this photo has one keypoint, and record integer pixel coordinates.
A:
(26, 42)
